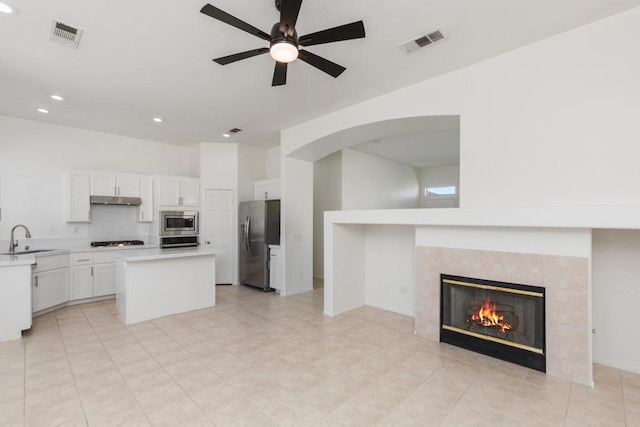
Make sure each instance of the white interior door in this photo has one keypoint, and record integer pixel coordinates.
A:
(219, 231)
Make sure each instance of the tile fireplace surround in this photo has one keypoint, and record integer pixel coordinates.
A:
(565, 278)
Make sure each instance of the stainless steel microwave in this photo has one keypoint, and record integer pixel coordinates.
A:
(178, 223)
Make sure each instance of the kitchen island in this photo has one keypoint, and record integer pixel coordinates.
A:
(152, 283)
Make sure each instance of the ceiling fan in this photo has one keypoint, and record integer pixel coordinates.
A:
(284, 41)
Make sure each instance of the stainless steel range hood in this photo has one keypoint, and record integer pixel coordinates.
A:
(115, 200)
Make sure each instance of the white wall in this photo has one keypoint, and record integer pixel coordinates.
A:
(327, 196)
(251, 167)
(389, 268)
(616, 297)
(272, 163)
(194, 161)
(34, 156)
(297, 227)
(442, 176)
(551, 124)
(371, 182)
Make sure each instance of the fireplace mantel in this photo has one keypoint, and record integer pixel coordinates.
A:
(607, 217)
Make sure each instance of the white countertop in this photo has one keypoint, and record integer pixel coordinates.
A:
(157, 254)
(16, 260)
(77, 249)
(22, 259)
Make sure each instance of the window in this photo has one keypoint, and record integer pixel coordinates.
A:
(440, 191)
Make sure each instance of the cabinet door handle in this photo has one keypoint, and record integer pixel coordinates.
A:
(142, 216)
(36, 281)
(180, 200)
(84, 260)
(92, 271)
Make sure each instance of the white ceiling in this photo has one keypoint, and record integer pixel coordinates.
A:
(147, 58)
(437, 143)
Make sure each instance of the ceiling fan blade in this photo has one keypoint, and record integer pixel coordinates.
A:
(289, 10)
(320, 63)
(223, 16)
(355, 30)
(280, 74)
(242, 55)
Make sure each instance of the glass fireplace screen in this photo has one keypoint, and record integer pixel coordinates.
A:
(503, 313)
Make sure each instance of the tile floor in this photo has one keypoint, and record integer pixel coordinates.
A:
(258, 359)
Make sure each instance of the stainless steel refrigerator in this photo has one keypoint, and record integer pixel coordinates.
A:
(259, 228)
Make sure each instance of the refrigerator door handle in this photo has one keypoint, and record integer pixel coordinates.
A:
(247, 231)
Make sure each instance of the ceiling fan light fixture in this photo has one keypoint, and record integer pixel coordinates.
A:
(284, 51)
(8, 8)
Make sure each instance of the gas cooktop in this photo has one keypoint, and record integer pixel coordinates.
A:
(112, 243)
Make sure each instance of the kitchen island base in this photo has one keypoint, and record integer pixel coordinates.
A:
(149, 286)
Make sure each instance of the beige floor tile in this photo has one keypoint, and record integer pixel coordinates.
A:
(596, 407)
(240, 413)
(258, 359)
(297, 413)
(54, 412)
(411, 413)
(181, 412)
(154, 398)
(212, 399)
(474, 414)
(197, 382)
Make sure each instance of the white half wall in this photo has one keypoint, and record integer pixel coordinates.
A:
(616, 297)
(389, 268)
(371, 182)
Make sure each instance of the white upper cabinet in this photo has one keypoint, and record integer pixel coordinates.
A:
(266, 189)
(190, 192)
(128, 185)
(77, 197)
(104, 184)
(178, 191)
(145, 210)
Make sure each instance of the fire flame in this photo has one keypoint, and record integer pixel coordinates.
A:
(487, 316)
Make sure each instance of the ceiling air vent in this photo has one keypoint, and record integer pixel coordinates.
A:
(422, 41)
(65, 34)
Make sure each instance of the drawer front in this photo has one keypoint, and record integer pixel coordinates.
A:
(82, 258)
(53, 262)
(105, 257)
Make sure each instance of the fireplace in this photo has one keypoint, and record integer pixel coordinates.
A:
(502, 320)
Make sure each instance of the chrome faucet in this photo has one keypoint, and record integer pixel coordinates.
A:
(14, 243)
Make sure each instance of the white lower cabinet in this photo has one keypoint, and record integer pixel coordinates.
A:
(94, 274)
(104, 279)
(274, 267)
(50, 281)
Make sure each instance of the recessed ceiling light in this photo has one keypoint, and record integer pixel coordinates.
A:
(8, 8)
(157, 119)
(226, 135)
(57, 97)
(42, 110)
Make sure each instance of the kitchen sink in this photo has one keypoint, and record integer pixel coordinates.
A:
(34, 251)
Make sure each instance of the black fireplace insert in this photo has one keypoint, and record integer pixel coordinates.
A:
(498, 319)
